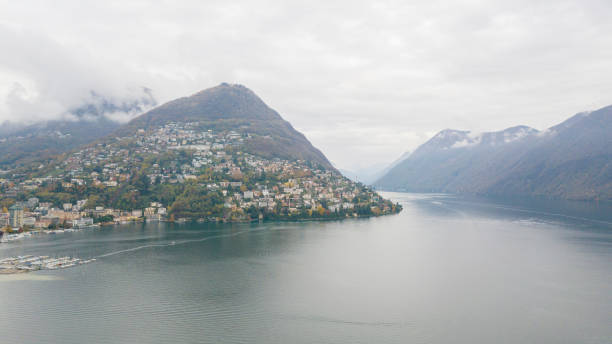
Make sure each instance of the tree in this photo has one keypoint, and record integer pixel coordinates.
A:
(92, 201)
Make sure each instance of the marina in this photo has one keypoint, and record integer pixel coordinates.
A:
(30, 263)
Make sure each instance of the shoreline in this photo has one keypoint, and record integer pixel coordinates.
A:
(12, 237)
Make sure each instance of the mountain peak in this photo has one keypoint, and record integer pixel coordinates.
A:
(222, 102)
(451, 138)
(587, 119)
(227, 87)
(234, 107)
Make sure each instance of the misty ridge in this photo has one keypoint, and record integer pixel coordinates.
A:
(33, 139)
(571, 160)
(94, 107)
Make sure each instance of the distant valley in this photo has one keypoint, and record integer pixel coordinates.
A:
(370, 174)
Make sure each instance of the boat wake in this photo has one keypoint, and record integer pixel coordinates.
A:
(172, 243)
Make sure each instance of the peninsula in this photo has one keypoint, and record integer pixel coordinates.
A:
(220, 155)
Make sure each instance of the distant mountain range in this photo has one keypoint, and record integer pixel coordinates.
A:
(22, 144)
(572, 160)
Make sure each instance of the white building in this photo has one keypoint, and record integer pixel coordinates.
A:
(82, 222)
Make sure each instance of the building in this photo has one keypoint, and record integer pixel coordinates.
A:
(29, 221)
(32, 202)
(48, 220)
(153, 217)
(16, 216)
(4, 220)
(82, 222)
(80, 204)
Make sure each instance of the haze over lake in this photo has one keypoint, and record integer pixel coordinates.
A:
(444, 270)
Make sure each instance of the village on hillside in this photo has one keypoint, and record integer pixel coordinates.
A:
(179, 172)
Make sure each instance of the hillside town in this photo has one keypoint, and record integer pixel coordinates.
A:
(179, 172)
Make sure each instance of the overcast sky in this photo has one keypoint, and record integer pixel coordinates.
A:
(364, 81)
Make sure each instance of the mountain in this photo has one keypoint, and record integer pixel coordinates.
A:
(41, 141)
(237, 108)
(219, 155)
(22, 144)
(572, 160)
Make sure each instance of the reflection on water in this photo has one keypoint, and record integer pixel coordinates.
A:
(445, 270)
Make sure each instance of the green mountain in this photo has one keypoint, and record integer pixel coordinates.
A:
(237, 108)
(572, 160)
(219, 155)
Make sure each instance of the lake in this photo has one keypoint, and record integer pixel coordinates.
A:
(445, 270)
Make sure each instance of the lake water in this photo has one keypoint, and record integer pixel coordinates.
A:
(445, 270)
